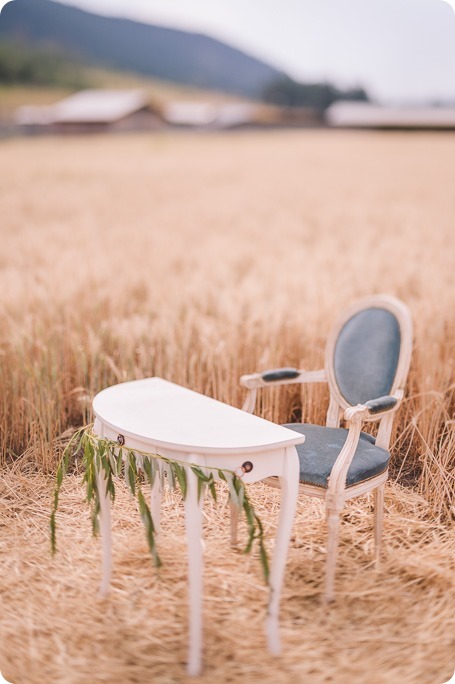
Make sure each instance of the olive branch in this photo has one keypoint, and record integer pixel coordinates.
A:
(106, 458)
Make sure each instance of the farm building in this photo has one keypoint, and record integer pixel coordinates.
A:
(207, 115)
(210, 115)
(364, 115)
(92, 111)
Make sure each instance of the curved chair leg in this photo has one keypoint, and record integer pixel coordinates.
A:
(333, 527)
(234, 523)
(378, 518)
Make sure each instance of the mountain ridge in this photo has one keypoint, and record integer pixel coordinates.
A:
(194, 59)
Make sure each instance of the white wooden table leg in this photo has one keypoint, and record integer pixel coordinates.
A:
(234, 510)
(289, 489)
(155, 504)
(106, 534)
(193, 524)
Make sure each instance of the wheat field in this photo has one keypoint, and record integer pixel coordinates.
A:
(198, 258)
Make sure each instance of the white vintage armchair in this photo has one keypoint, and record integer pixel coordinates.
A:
(366, 364)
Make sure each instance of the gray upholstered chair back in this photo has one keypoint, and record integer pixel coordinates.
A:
(366, 355)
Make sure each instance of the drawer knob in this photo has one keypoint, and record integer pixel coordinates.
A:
(120, 440)
(247, 467)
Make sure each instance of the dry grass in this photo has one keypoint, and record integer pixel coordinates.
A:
(394, 624)
(198, 259)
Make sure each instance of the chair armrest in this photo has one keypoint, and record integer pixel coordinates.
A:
(354, 416)
(337, 479)
(282, 376)
(380, 404)
(370, 409)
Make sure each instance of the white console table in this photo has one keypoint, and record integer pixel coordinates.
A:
(157, 416)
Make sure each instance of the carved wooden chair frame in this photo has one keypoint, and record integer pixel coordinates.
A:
(382, 410)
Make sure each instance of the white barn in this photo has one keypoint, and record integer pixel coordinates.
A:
(364, 115)
(92, 111)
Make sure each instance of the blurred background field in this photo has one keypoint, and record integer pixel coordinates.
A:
(197, 253)
(199, 258)
(202, 258)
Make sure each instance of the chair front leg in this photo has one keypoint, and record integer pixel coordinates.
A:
(378, 519)
(335, 497)
(333, 529)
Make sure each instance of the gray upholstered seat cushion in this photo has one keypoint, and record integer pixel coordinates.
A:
(322, 445)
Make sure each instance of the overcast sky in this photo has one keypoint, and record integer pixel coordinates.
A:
(397, 49)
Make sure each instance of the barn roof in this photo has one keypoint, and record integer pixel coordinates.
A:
(363, 115)
(87, 106)
(223, 115)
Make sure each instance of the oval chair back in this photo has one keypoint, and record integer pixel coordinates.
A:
(368, 353)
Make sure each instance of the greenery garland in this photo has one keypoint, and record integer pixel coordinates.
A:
(101, 455)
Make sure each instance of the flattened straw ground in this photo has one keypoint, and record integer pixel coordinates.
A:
(197, 259)
(394, 624)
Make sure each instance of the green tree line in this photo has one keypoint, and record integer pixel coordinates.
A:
(289, 93)
(43, 67)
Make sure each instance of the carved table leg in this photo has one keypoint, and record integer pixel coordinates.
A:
(234, 511)
(155, 503)
(193, 523)
(289, 489)
(106, 534)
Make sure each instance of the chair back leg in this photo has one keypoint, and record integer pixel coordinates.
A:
(378, 519)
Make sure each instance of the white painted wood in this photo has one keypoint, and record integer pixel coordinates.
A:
(255, 381)
(385, 429)
(337, 479)
(333, 530)
(234, 524)
(159, 417)
(337, 492)
(163, 414)
(155, 504)
(289, 481)
(105, 527)
(334, 414)
(378, 520)
(193, 524)
(105, 533)
(250, 401)
(349, 493)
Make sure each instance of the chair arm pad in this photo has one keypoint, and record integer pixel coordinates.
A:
(370, 408)
(280, 374)
(381, 404)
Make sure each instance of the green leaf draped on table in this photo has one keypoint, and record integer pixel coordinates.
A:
(101, 455)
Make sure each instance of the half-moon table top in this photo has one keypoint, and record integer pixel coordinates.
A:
(161, 413)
